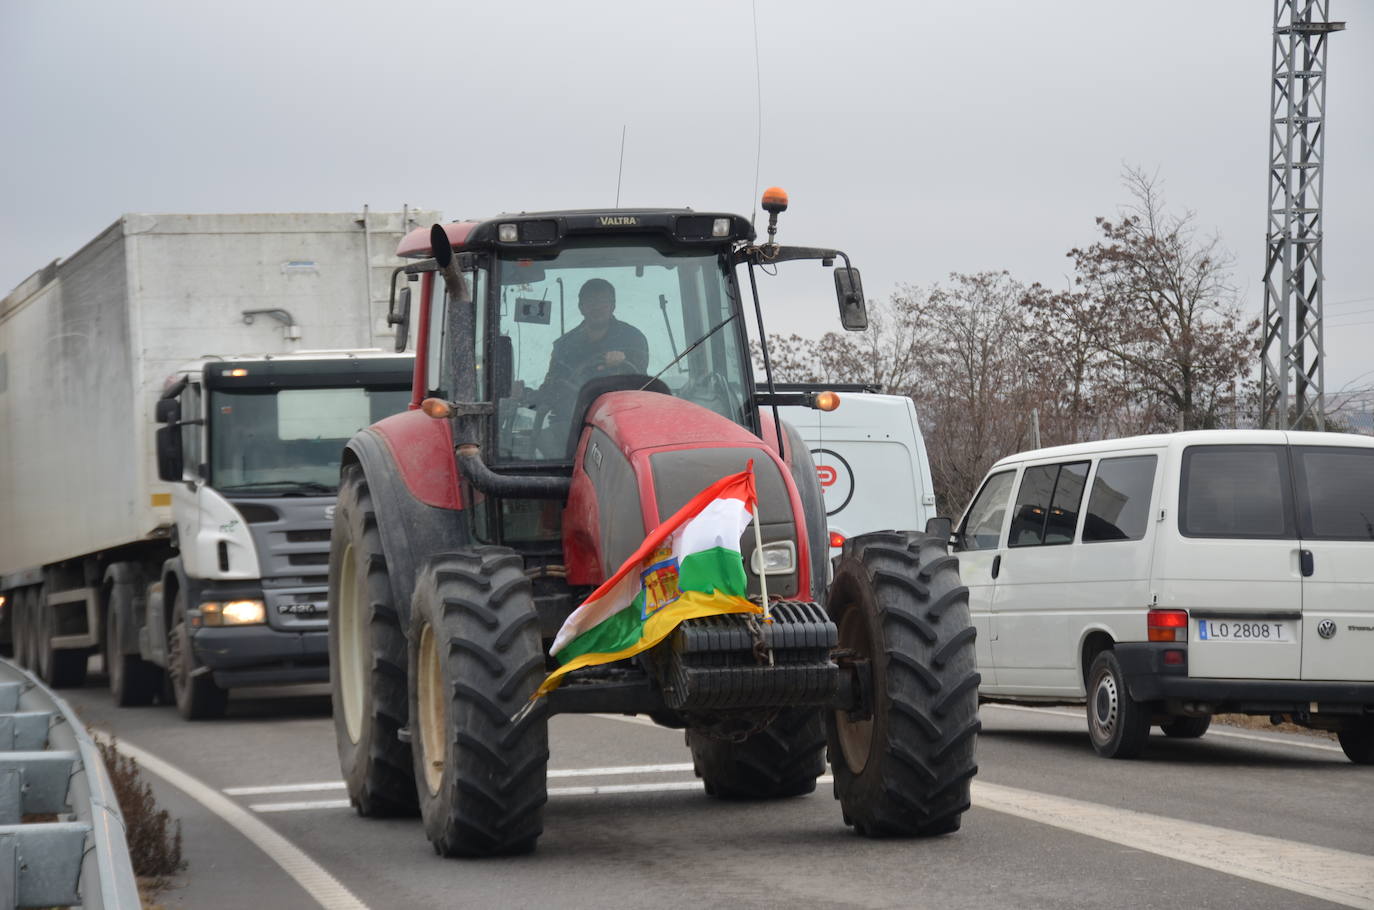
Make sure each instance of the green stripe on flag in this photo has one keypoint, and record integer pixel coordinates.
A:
(615, 633)
(717, 569)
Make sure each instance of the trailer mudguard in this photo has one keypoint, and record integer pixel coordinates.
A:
(409, 465)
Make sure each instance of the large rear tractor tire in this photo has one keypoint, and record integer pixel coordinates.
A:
(907, 768)
(367, 660)
(134, 682)
(1118, 725)
(481, 776)
(196, 695)
(783, 759)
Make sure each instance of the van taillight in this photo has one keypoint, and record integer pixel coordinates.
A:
(836, 539)
(1167, 625)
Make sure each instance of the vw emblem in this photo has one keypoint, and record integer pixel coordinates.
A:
(1326, 628)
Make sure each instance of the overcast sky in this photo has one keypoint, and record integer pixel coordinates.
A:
(921, 137)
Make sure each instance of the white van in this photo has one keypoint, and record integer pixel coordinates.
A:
(870, 458)
(1164, 579)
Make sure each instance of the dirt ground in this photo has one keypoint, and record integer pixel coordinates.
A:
(1262, 723)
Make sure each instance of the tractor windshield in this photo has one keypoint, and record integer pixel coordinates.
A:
(604, 318)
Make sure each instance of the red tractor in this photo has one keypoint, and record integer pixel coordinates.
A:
(579, 376)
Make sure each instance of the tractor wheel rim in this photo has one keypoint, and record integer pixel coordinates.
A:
(352, 645)
(855, 736)
(431, 706)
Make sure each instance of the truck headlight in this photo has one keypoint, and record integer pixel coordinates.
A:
(233, 613)
(776, 558)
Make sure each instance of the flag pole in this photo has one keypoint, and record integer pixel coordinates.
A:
(763, 568)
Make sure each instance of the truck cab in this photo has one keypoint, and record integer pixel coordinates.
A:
(252, 446)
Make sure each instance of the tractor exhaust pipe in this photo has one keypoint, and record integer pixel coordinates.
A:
(468, 421)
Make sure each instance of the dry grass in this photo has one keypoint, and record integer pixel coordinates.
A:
(154, 838)
(1252, 722)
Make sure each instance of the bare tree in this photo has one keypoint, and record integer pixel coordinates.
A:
(1166, 315)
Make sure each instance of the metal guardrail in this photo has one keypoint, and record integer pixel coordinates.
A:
(50, 766)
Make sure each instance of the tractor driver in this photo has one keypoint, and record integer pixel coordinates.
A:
(600, 345)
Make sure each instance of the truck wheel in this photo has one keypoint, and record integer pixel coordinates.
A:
(783, 759)
(907, 768)
(477, 658)
(1118, 725)
(60, 668)
(1357, 740)
(134, 682)
(367, 660)
(197, 697)
(1186, 727)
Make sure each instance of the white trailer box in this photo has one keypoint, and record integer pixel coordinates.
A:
(87, 343)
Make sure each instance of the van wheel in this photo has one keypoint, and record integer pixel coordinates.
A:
(1358, 741)
(1118, 725)
(905, 769)
(1186, 727)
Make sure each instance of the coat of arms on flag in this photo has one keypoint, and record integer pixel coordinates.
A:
(689, 566)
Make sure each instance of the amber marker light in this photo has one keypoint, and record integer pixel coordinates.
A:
(827, 401)
(436, 408)
(775, 199)
(238, 371)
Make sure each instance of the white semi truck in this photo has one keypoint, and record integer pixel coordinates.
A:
(204, 554)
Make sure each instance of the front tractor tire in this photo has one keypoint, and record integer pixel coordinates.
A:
(781, 760)
(905, 769)
(477, 657)
(367, 660)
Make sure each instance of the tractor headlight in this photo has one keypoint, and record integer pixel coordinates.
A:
(776, 558)
(233, 613)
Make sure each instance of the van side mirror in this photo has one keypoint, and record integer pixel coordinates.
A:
(169, 459)
(168, 410)
(942, 528)
(399, 315)
(849, 291)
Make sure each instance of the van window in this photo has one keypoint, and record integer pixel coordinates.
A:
(1119, 507)
(1236, 491)
(983, 524)
(1047, 504)
(1335, 492)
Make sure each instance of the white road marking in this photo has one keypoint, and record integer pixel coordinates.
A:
(326, 890)
(284, 788)
(1331, 875)
(1275, 740)
(631, 719)
(301, 806)
(621, 769)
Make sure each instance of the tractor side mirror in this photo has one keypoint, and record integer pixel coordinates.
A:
(169, 460)
(399, 316)
(168, 410)
(942, 528)
(849, 291)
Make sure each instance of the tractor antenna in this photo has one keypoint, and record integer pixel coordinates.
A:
(758, 112)
(621, 170)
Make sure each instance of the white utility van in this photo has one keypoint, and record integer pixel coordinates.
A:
(870, 459)
(1164, 579)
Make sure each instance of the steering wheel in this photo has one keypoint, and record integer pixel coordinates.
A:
(713, 387)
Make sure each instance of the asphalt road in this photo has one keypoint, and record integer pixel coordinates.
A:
(1236, 819)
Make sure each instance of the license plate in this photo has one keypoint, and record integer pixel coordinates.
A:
(1243, 630)
(305, 610)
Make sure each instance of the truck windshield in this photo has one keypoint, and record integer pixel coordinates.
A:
(282, 441)
(612, 317)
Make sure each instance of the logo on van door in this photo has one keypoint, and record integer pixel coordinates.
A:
(1326, 629)
(836, 477)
